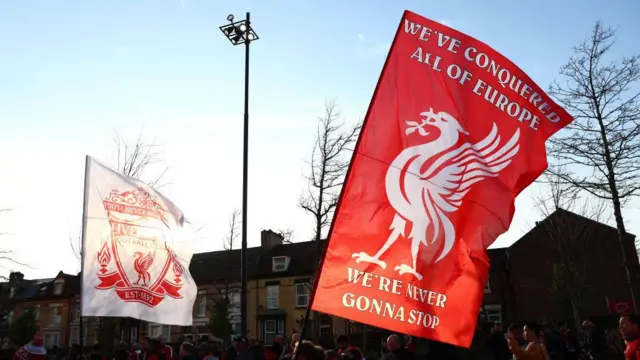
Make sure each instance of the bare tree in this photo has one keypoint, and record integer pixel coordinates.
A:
(602, 146)
(8, 256)
(287, 235)
(232, 236)
(219, 303)
(327, 167)
(573, 243)
(136, 160)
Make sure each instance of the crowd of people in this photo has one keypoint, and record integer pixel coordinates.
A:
(527, 342)
(394, 348)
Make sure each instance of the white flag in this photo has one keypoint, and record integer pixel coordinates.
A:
(136, 251)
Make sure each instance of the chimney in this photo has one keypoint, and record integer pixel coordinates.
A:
(16, 276)
(270, 239)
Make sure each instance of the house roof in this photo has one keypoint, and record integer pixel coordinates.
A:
(303, 257)
(562, 212)
(43, 289)
(222, 265)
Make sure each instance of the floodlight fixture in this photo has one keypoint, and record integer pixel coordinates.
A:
(239, 32)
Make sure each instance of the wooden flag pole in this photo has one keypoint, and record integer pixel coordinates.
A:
(85, 206)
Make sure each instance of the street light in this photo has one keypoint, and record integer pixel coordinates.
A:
(241, 32)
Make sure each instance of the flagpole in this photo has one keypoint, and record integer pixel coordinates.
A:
(85, 206)
(337, 209)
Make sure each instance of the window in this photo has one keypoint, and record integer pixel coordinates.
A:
(272, 328)
(156, 330)
(326, 325)
(234, 311)
(202, 304)
(302, 295)
(493, 312)
(75, 339)
(36, 312)
(12, 292)
(273, 297)
(280, 263)
(58, 285)
(487, 287)
(54, 315)
(129, 336)
(51, 339)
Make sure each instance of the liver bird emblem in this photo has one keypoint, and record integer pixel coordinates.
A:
(141, 265)
(427, 182)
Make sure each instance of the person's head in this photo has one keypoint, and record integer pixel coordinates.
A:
(515, 330)
(531, 332)
(187, 349)
(393, 343)
(497, 327)
(161, 339)
(352, 353)
(331, 355)
(239, 343)
(188, 339)
(342, 341)
(295, 338)
(629, 324)
(587, 325)
(206, 349)
(155, 345)
(145, 343)
(308, 351)
(563, 326)
(279, 339)
(407, 339)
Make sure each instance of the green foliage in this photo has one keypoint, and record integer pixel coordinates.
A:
(24, 328)
(219, 323)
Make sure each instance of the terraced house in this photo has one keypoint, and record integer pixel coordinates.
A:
(281, 275)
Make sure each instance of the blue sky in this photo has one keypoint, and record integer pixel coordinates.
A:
(72, 72)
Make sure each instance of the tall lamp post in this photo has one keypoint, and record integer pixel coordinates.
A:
(239, 33)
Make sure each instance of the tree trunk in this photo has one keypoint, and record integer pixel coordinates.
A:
(576, 316)
(621, 238)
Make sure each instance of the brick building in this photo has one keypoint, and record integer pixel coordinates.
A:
(518, 288)
(524, 278)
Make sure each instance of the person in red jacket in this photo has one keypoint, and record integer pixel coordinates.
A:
(630, 328)
(165, 349)
(34, 350)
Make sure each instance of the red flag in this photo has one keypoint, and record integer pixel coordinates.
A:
(619, 306)
(453, 133)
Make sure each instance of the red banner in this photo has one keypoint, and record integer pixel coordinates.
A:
(150, 297)
(455, 131)
(620, 306)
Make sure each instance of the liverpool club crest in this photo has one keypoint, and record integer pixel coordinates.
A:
(136, 261)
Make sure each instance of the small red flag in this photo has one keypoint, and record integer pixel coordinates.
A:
(454, 132)
(620, 306)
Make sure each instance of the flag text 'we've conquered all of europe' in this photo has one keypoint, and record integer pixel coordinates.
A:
(505, 78)
(388, 309)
